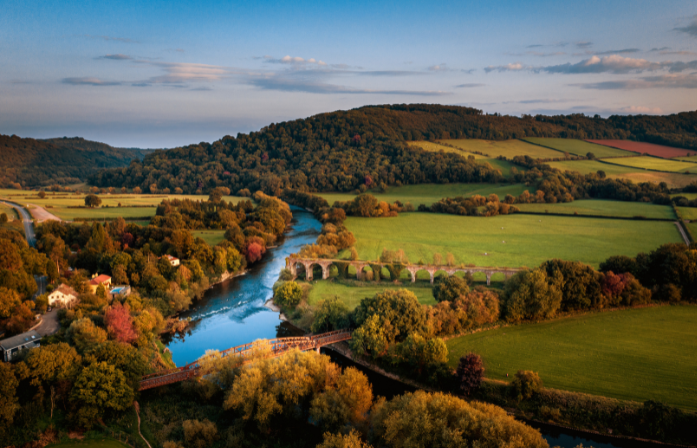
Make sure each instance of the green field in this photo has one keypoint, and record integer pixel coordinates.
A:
(604, 208)
(691, 159)
(591, 166)
(637, 354)
(212, 237)
(674, 180)
(9, 211)
(689, 213)
(656, 163)
(508, 241)
(578, 147)
(58, 203)
(352, 295)
(89, 443)
(506, 148)
(430, 193)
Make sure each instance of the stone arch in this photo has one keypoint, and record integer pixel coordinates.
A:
(440, 272)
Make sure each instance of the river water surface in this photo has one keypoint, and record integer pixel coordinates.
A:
(233, 313)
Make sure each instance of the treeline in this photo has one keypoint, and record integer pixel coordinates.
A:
(356, 149)
(27, 162)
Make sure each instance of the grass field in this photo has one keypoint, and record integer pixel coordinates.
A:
(656, 163)
(9, 211)
(688, 213)
(212, 237)
(637, 354)
(578, 147)
(352, 295)
(529, 239)
(691, 159)
(506, 148)
(647, 148)
(430, 193)
(89, 443)
(58, 203)
(604, 208)
(674, 180)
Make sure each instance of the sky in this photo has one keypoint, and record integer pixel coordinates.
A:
(168, 73)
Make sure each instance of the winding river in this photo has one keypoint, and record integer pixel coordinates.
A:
(233, 313)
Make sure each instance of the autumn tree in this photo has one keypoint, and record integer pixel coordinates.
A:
(450, 288)
(100, 387)
(350, 440)
(288, 294)
(85, 334)
(531, 295)
(119, 323)
(346, 403)
(330, 314)
(199, 434)
(9, 299)
(399, 313)
(525, 384)
(54, 367)
(470, 373)
(9, 403)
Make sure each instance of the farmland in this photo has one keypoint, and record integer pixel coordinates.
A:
(604, 208)
(502, 165)
(506, 148)
(591, 166)
(578, 147)
(636, 354)
(665, 152)
(430, 193)
(674, 180)
(656, 163)
(65, 205)
(212, 237)
(511, 240)
(352, 295)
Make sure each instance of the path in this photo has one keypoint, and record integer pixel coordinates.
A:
(135, 405)
(49, 323)
(682, 232)
(26, 220)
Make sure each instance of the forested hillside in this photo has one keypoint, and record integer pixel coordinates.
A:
(349, 150)
(29, 162)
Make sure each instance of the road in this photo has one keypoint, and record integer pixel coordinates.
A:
(26, 220)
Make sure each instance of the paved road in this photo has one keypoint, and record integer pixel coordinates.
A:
(26, 220)
(49, 323)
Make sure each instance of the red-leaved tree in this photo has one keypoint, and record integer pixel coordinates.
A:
(120, 324)
(254, 252)
(470, 373)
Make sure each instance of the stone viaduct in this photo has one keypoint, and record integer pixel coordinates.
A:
(293, 263)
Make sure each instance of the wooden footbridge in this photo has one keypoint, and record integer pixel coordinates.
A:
(270, 348)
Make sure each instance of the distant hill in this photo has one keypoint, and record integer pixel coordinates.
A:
(349, 150)
(32, 163)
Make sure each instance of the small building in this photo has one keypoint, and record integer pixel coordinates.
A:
(64, 296)
(97, 280)
(123, 291)
(174, 261)
(11, 347)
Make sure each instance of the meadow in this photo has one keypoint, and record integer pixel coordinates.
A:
(578, 147)
(674, 180)
(656, 163)
(603, 208)
(689, 213)
(691, 159)
(647, 148)
(59, 203)
(212, 237)
(508, 240)
(506, 148)
(592, 166)
(429, 193)
(635, 354)
(352, 295)
(9, 211)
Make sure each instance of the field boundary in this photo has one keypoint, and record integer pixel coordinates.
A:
(629, 218)
(584, 157)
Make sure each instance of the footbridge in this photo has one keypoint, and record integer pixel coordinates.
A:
(294, 263)
(270, 348)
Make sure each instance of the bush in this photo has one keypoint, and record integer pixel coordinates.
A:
(526, 384)
(199, 434)
(470, 373)
(289, 294)
(331, 314)
(450, 288)
(531, 295)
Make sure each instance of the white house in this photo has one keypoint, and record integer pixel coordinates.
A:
(174, 261)
(63, 296)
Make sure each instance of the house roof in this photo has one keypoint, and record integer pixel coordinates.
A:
(67, 290)
(171, 258)
(20, 339)
(98, 280)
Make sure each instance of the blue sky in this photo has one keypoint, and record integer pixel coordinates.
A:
(163, 74)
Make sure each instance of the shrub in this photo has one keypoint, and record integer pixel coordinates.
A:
(331, 314)
(526, 384)
(289, 294)
(470, 373)
(199, 434)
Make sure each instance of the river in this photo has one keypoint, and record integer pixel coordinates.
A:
(233, 313)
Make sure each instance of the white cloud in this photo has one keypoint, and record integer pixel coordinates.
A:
(642, 110)
(606, 64)
(513, 67)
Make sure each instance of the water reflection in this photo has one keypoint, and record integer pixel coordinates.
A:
(233, 313)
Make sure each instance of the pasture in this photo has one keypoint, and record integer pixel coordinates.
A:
(212, 237)
(506, 148)
(665, 152)
(9, 211)
(689, 213)
(429, 193)
(352, 295)
(635, 354)
(603, 208)
(674, 180)
(578, 147)
(132, 206)
(656, 163)
(502, 165)
(508, 241)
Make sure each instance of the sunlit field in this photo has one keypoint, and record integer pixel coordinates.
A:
(506, 148)
(352, 295)
(604, 208)
(656, 163)
(639, 354)
(578, 147)
(498, 164)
